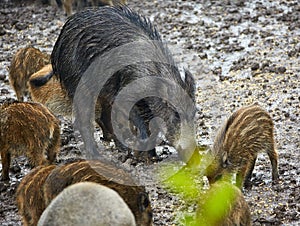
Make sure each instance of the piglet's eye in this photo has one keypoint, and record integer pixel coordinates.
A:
(226, 163)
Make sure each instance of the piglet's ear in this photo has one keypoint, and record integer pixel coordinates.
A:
(225, 161)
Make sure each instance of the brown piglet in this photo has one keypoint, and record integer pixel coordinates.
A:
(68, 4)
(223, 205)
(49, 92)
(30, 198)
(105, 174)
(247, 131)
(27, 129)
(24, 63)
(61, 177)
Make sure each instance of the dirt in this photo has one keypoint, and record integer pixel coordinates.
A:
(240, 52)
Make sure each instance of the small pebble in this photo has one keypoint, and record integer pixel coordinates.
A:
(2, 77)
(4, 91)
(254, 66)
(281, 69)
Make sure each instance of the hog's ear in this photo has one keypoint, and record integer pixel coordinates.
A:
(225, 161)
(190, 83)
(143, 201)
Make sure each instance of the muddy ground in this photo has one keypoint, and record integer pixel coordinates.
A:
(240, 52)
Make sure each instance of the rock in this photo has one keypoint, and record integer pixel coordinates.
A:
(2, 77)
(20, 26)
(4, 91)
(90, 204)
(254, 66)
(281, 69)
(2, 31)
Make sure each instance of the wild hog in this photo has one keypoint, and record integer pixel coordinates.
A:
(223, 205)
(30, 198)
(27, 129)
(87, 203)
(105, 174)
(130, 60)
(49, 92)
(25, 62)
(246, 132)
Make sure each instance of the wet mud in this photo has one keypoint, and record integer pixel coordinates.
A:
(240, 52)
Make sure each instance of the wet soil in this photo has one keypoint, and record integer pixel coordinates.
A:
(240, 52)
